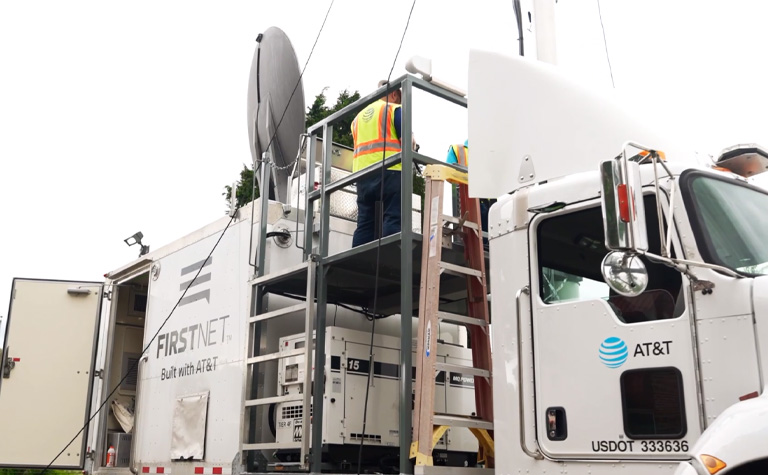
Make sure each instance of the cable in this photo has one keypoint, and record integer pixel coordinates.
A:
(274, 134)
(605, 43)
(378, 253)
(362, 311)
(132, 368)
(135, 365)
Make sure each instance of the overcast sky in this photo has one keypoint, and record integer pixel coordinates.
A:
(117, 117)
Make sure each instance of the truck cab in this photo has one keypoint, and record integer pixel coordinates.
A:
(618, 341)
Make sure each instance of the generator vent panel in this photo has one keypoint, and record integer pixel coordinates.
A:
(372, 438)
(130, 369)
(294, 412)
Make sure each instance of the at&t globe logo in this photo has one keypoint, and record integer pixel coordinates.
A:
(613, 352)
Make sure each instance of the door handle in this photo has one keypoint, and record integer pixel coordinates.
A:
(8, 366)
(556, 423)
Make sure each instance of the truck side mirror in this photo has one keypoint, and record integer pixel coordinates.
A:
(623, 206)
(624, 226)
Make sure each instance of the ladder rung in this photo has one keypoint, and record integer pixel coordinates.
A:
(272, 446)
(455, 220)
(455, 368)
(461, 421)
(454, 269)
(273, 400)
(278, 313)
(274, 276)
(275, 356)
(461, 319)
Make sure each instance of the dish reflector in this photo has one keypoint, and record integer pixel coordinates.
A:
(274, 74)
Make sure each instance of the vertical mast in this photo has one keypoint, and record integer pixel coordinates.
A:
(538, 29)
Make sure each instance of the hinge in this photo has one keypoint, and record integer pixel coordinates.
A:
(107, 295)
(99, 373)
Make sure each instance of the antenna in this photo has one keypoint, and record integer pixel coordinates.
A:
(274, 74)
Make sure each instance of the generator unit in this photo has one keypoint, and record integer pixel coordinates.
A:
(347, 364)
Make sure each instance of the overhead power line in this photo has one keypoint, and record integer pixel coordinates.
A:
(605, 43)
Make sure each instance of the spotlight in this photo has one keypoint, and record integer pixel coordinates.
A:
(136, 239)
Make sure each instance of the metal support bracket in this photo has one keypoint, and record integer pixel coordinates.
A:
(527, 172)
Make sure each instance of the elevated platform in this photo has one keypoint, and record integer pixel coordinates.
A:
(351, 277)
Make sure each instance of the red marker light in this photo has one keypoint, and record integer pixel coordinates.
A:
(749, 396)
(623, 193)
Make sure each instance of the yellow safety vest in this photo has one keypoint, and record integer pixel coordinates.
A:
(462, 154)
(372, 127)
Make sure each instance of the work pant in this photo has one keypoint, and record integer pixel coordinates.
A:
(368, 193)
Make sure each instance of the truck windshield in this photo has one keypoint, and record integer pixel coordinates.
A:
(731, 222)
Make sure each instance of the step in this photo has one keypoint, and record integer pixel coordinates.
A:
(461, 319)
(440, 470)
(459, 270)
(278, 313)
(272, 446)
(279, 275)
(455, 220)
(273, 400)
(451, 420)
(455, 368)
(274, 356)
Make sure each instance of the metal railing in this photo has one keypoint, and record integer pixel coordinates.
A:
(408, 158)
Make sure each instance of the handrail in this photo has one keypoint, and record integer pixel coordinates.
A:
(317, 247)
(536, 455)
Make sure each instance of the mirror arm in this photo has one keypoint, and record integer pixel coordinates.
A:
(670, 220)
(682, 266)
(662, 240)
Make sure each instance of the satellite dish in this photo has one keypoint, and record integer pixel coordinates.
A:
(274, 75)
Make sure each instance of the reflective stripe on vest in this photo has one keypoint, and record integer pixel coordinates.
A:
(374, 134)
(462, 154)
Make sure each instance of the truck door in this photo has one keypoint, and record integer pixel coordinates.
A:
(48, 363)
(614, 376)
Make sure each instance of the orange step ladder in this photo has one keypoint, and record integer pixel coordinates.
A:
(429, 427)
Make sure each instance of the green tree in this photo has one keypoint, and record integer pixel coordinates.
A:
(342, 134)
(245, 190)
(342, 131)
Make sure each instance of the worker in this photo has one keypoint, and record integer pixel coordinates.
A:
(376, 133)
(459, 154)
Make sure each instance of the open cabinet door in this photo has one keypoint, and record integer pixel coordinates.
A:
(48, 357)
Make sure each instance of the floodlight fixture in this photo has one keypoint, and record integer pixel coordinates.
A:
(136, 239)
(423, 66)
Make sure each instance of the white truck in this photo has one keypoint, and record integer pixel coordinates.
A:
(628, 302)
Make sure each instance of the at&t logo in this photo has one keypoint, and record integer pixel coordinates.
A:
(613, 352)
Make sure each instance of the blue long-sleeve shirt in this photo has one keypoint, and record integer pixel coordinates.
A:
(398, 116)
(452, 158)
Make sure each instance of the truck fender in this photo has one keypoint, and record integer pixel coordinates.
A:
(737, 436)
